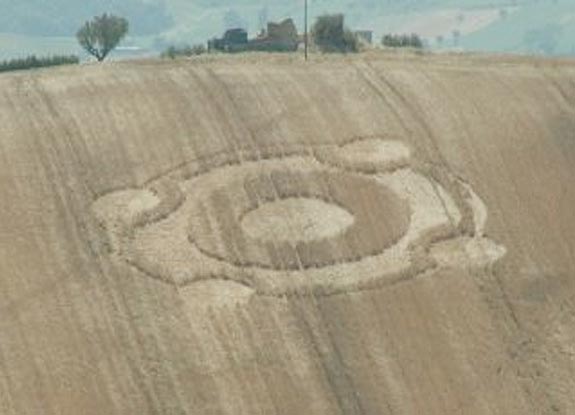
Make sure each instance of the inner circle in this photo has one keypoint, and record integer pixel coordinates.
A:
(296, 220)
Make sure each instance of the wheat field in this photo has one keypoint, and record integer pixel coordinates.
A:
(378, 234)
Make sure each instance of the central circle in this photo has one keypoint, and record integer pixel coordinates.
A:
(295, 220)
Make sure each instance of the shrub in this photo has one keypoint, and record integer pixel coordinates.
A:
(173, 52)
(330, 34)
(402, 41)
(33, 61)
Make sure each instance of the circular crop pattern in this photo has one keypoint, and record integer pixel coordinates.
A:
(288, 219)
(296, 220)
(351, 217)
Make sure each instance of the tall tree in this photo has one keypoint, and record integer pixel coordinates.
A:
(330, 34)
(102, 34)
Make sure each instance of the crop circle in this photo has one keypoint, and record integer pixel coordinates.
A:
(296, 220)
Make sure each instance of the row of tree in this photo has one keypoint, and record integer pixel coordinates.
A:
(33, 61)
(402, 41)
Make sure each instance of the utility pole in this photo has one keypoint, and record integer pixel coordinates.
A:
(306, 40)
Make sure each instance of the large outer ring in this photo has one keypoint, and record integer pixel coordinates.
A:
(162, 248)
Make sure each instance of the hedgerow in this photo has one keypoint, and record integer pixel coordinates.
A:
(33, 61)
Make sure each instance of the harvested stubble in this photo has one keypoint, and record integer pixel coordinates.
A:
(83, 331)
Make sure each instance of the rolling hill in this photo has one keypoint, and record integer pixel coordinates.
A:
(373, 234)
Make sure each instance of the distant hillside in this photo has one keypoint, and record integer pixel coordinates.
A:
(544, 27)
(524, 26)
(536, 26)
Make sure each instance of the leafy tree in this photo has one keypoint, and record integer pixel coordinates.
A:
(330, 34)
(102, 34)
